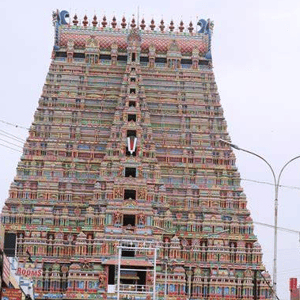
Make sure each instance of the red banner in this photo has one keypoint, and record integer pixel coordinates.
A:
(293, 284)
(6, 269)
(11, 294)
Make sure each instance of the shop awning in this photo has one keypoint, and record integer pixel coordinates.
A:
(128, 262)
(129, 276)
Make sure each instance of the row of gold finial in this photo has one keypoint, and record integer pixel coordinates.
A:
(133, 24)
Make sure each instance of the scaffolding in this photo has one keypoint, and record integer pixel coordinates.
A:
(135, 246)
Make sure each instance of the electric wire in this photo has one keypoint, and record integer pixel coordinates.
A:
(284, 251)
(12, 138)
(10, 148)
(10, 134)
(269, 183)
(14, 125)
(18, 146)
(278, 227)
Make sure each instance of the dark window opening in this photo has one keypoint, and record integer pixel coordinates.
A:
(186, 61)
(132, 91)
(130, 172)
(142, 277)
(79, 55)
(161, 60)
(60, 54)
(129, 154)
(132, 79)
(131, 118)
(133, 57)
(105, 56)
(129, 194)
(132, 104)
(203, 62)
(144, 59)
(132, 69)
(10, 244)
(111, 274)
(129, 220)
(128, 253)
(122, 58)
(131, 133)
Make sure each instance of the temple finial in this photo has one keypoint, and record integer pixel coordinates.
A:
(123, 24)
(190, 28)
(143, 25)
(133, 25)
(95, 22)
(85, 21)
(75, 20)
(181, 27)
(114, 22)
(104, 22)
(171, 27)
(162, 26)
(152, 25)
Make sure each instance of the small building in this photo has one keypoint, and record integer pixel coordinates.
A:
(294, 289)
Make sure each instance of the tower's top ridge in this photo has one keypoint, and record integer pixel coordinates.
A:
(63, 18)
(157, 34)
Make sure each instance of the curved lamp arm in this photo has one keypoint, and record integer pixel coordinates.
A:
(296, 157)
(252, 153)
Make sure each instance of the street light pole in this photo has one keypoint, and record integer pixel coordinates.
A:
(276, 186)
(166, 275)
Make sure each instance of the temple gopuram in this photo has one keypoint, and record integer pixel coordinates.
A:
(124, 189)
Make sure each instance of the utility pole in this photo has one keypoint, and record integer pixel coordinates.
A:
(255, 285)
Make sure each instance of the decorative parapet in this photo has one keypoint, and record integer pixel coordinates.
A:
(111, 33)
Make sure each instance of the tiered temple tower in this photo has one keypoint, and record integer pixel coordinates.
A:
(124, 190)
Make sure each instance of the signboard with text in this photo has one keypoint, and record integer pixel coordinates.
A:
(29, 271)
(11, 294)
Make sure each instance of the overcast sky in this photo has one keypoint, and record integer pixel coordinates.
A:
(256, 62)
